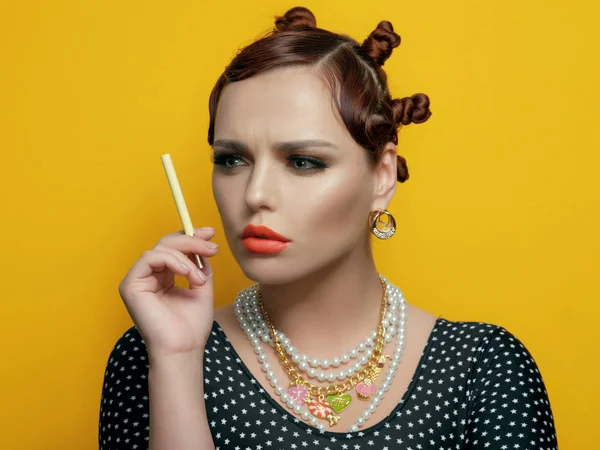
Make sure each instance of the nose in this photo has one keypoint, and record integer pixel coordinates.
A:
(261, 188)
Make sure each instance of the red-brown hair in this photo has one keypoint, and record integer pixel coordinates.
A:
(353, 71)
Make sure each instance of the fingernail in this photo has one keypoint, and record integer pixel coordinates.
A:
(200, 275)
(211, 245)
(205, 229)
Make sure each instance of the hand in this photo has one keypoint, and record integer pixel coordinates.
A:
(170, 319)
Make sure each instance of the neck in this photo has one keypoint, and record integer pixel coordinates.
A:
(329, 311)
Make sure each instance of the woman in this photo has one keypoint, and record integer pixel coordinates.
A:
(322, 352)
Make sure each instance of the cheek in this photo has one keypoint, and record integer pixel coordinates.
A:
(224, 192)
(217, 193)
(337, 211)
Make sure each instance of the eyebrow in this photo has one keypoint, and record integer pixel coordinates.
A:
(233, 145)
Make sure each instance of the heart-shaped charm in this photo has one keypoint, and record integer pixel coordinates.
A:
(298, 393)
(365, 389)
(339, 402)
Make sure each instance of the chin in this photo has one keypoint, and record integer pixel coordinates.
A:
(274, 269)
(287, 268)
(268, 271)
(280, 269)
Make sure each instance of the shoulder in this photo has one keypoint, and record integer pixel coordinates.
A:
(503, 384)
(127, 363)
(482, 335)
(129, 348)
(486, 348)
(124, 401)
(493, 354)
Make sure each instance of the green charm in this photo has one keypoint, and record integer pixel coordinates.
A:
(339, 402)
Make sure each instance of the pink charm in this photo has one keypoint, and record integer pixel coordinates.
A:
(320, 408)
(365, 389)
(298, 393)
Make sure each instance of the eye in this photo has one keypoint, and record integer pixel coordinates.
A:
(228, 161)
(303, 163)
(299, 163)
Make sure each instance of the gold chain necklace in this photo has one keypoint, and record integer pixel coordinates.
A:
(303, 391)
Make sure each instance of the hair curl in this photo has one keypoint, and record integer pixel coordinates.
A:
(354, 72)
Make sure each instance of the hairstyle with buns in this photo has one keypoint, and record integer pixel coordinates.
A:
(353, 72)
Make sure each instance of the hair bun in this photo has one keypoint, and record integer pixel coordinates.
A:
(295, 19)
(381, 42)
(401, 169)
(413, 109)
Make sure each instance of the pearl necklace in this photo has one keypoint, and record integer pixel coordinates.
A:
(250, 293)
(251, 321)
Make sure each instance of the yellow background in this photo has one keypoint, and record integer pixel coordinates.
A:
(498, 223)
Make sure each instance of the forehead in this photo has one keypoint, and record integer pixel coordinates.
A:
(281, 104)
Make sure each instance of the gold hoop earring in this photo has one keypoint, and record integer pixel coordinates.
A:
(383, 230)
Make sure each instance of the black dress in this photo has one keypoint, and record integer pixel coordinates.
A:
(476, 387)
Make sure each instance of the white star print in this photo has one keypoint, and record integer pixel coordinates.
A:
(476, 384)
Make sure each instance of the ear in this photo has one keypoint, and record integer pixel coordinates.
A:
(386, 178)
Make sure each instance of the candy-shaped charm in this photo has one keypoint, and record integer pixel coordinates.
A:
(321, 409)
(333, 419)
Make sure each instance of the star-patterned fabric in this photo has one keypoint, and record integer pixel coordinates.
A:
(476, 387)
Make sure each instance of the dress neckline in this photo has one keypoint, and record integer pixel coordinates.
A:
(337, 434)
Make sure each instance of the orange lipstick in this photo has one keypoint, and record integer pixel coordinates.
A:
(261, 239)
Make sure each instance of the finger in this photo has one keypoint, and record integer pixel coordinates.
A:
(207, 267)
(203, 232)
(158, 261)
(203, 252)
(184, 246)
(206, 271)
(195, 276)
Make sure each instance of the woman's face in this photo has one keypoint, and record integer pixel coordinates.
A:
(283, 159)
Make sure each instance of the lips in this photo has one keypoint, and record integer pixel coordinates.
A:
(262, 231)
(261, 239)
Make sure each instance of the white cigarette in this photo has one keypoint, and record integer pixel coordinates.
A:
(179, 201)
